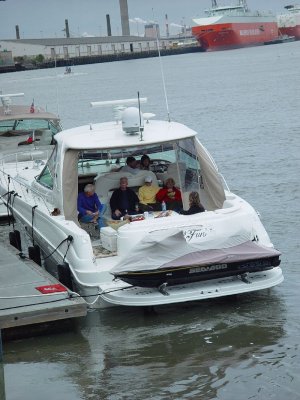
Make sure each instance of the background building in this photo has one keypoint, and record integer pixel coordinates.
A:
(65, 48)
(152, 30)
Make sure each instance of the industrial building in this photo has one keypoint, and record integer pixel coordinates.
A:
(63, 49)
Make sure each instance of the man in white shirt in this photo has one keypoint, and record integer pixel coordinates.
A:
(131, 166)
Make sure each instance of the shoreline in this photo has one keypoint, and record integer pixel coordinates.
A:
(100, 59)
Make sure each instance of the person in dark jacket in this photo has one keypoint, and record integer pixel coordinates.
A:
(123, 201)
(195, 205)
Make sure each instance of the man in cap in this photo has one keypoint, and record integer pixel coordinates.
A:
(147, 194)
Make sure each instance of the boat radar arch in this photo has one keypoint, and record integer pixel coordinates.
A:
(7, 102)
(148, 116)
(119, 105)
(3, 96)
(132, 120)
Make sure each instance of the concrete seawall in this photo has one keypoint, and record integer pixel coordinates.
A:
(107, 58)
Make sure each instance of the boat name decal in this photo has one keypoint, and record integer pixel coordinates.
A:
(250, 32)
(214, 267)
(199, 232)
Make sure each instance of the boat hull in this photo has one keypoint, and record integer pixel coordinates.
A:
(234, 35)
(291, 31)
(115, 295)
(289, 23)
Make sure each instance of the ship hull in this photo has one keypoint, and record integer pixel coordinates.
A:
(291, 31)
(289, 24)
(234, 35)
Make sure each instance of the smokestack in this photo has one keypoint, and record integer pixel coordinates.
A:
(124, 18)
(167, 26)
(67, 28)
(108, 25)
(17, 32)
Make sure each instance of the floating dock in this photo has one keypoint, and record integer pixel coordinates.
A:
(30, 296)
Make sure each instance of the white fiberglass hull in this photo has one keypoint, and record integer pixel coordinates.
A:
(142, 297)
(93, 280)
(42, 196)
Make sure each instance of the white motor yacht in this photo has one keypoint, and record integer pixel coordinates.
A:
(150, 259)
(24, 125)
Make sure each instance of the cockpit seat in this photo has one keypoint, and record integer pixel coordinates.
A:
(106, 184)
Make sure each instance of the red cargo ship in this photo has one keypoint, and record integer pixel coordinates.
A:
(229, 27)
(289, 23)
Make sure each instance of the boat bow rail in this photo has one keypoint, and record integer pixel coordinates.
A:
(17, 172)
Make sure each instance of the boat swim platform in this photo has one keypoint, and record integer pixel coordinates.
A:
(30, 296)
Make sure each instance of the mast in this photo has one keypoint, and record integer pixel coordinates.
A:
(214, 4)
(243, 3)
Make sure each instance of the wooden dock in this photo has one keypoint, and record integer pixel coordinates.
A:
(30, 296)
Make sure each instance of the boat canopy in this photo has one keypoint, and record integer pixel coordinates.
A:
(202, 174)
(167, 144)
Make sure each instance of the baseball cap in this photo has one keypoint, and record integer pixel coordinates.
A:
(148, 179)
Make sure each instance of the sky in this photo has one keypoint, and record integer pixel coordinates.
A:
(46, 18)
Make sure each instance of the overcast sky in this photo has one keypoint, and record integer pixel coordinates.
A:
(46, 18)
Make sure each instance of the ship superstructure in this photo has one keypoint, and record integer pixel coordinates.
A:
(289, 23)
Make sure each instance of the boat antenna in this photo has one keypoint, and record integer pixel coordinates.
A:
(161, 68)
(56, 80)
(140, 115)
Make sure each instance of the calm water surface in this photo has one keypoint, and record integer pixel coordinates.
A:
(245, 105)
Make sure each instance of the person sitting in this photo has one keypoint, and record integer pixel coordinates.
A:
(123, 201)
(89, 207)
(170, 195)
(147, 196)
(131, 166)
(195, 205)
(145, 162)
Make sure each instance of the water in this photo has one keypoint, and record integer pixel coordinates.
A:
(245, 105)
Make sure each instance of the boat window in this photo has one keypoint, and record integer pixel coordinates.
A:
(102, 161)
(29, 125)
(6, 126)
(188, 164)
(177, 159)
(46, 177)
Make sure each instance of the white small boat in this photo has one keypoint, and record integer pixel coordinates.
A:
(158, 259)
(68, 71)
(26, 121)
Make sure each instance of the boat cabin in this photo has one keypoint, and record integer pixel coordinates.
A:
(96, 154)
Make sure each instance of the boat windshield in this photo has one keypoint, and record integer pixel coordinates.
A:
(179, 157)
(28, 125)
(46, 177)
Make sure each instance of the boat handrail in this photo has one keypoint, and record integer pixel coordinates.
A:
(12, 158)
(25, 189)
(18, 185)
(224, 182)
